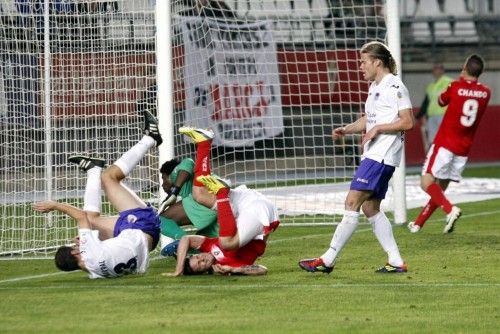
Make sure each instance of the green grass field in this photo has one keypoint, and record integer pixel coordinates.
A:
(453, 286)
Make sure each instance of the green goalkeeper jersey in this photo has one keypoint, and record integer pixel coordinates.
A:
(188, 166)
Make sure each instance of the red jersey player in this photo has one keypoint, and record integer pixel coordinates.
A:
(467, 100)
(245, 216)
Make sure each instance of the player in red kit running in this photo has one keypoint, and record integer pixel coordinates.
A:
(467, 100)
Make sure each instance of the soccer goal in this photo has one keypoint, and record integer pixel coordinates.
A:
(270, 77)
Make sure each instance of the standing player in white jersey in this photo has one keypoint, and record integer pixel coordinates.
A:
(245, 216)
(387, 115)
(111, 246)
(467, 100)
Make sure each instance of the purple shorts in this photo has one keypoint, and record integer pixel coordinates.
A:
(372, 176)
(146, 220)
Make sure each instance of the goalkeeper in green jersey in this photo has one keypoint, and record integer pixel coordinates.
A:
(192, 209)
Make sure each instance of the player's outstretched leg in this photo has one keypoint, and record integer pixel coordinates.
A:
(315, 265)
(197, 135)
(151, 127)
(451, 219)
(214, 183)
(85, 163)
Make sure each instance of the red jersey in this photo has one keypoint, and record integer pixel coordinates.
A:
(466, 101)
(240, 257)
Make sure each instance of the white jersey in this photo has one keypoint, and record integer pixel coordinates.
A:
(253, 212)
(384, 102)
(124, 254)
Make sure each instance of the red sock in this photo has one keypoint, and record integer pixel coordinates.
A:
(202, 163)
(438, 197)
(225, 215)
(426, 212)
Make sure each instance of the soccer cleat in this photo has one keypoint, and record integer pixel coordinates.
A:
(389, 268)
(170, 249)
(151, 127)
(213, 183)
(86, 163)
(197, 135)
(414, 228)
(451, 219)
(315, 265)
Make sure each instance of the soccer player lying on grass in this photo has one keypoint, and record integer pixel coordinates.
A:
(245, 216)
(111, 246)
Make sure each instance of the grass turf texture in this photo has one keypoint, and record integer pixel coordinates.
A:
(453, 286)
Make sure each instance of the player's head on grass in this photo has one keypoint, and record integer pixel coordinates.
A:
(378, 51)
(474, 65)
(198, 264)
(66, 260)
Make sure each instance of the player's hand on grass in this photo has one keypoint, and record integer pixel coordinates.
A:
(44, 206)
(174, 274)
(222, 269)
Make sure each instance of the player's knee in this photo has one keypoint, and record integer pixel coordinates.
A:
(229, 243)
(112, 174)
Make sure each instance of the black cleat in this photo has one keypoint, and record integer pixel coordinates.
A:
(86, 163)
(151, 127)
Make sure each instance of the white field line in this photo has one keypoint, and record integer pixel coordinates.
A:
(310, 236)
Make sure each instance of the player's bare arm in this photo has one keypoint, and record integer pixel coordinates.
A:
(250, 270)
(186, 242)
(77, 214)
(356, 127)
(406, 122)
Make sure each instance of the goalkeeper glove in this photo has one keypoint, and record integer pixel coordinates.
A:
(170, 199)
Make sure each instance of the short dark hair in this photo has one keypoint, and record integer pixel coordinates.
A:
(168, 166)
(474, 65)
(188, 270)
(65, 260)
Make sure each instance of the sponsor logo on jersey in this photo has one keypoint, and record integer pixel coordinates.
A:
(131, 219)
(362, 180)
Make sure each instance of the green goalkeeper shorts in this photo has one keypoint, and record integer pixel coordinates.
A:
(203, 218)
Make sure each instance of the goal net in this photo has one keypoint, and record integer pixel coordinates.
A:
(74, 76)
(270, 77)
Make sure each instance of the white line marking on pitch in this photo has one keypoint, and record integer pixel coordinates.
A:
(260, 286)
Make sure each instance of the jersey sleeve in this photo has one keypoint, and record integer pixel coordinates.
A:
(444, 98)
(186, 165)
(90, 248)
(403, 98)
(206, 246)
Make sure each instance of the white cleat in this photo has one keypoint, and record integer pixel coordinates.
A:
(451, 219)
(413, 228)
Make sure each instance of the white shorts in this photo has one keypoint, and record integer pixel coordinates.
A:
(443, 164)
(253, 218)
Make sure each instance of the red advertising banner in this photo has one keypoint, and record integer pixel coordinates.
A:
(89, 84)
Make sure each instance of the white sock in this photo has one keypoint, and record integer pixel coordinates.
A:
(383, 231)
(92, 198)
(342, 234)
(131, 158)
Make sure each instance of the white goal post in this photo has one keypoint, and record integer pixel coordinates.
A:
(271, 77)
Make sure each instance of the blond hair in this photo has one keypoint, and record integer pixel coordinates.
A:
(378, 50)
